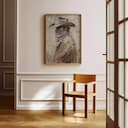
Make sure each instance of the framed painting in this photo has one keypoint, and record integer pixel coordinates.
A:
(62, 38)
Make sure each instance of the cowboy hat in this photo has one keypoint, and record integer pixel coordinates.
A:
(62, 22)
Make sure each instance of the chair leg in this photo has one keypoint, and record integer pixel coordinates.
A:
(74, 99)
(86, 102)
(63, 105)
(63, 100)
(94, 98)
(74, 104)
(94, 104)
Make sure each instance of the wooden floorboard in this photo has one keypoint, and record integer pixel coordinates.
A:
(50, 119)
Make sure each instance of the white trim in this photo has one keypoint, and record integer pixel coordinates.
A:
(36, 80)
(100, 105)
(99, 77)
(54, 73)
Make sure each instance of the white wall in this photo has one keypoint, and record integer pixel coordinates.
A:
(30, 46)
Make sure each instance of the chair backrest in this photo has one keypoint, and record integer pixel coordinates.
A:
(84, 78)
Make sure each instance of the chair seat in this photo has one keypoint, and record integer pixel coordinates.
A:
(78, 94)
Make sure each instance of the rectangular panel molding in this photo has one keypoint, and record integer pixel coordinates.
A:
(8, 31)
(41, 90)
(45, 92)
(8, 80)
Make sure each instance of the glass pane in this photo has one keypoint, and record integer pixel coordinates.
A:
(126, 81)
(121, 113)
(121, 78)
(111, 47)
(111, 76)
(108, 18)
(121, 41)
(108, 86)
(111, 14)
(126, 39)
(126, 114)
(108, 103)
(126, 8)
(108, 49)
(111, 105)
(121, 9)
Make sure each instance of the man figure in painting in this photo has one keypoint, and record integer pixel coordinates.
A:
(65, 48)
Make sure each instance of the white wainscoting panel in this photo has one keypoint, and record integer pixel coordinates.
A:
(44, 92)
(40, 89)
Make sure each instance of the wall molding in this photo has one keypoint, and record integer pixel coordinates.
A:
(4, 81)
(4, 37)
(100, 77)
(26, 103)
(23, 99)
(54, 73)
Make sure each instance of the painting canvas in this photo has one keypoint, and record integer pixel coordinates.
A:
(62, 39)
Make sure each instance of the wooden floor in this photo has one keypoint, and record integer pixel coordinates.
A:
(50, 119)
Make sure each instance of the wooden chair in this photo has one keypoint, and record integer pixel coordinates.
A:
(88, 80)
